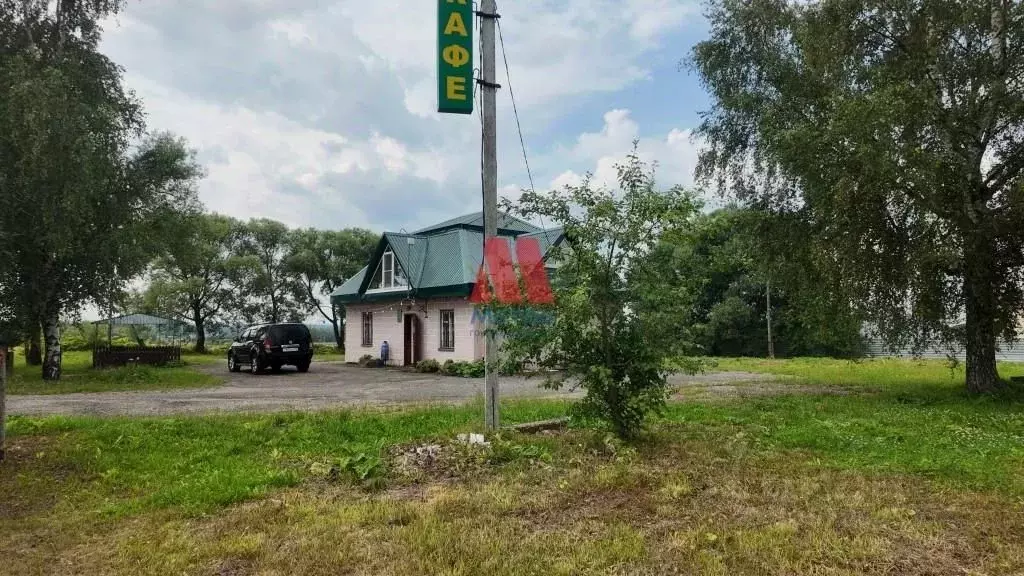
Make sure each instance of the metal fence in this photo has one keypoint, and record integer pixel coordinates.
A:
(110, 356)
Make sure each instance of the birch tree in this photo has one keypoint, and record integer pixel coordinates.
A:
(895, 130)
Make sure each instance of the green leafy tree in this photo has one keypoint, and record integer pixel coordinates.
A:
(266, 284)
(728, 262)
(892, 131)
(610, 330)
(191, 280)
(321, 261)
(85, 200)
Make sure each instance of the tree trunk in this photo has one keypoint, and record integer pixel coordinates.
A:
(51, 332)
(33, 353)
(980, 307)
(6, 361)
(338, 341)
(200, 323)
(768, 314)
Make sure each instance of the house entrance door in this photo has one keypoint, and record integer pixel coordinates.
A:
(413, 349)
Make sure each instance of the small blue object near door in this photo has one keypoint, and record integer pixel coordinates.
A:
(385, 352)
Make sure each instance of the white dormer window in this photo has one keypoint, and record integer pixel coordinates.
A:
(389, 275)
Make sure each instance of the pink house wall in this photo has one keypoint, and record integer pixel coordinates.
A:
(388, 326)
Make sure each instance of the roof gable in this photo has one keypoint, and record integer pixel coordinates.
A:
(404, 253)
(443, 259)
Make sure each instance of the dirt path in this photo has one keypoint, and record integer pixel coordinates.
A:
(334, 384)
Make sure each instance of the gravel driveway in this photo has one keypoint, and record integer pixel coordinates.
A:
(326, 385)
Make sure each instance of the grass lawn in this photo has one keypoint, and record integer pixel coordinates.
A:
(920, 378)
(903, 478)
(79, 376)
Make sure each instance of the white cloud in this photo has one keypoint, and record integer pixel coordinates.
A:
(326, 115)
(567, 178)
(675, 154)
(652, 18)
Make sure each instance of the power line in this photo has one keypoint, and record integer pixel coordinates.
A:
(519, 127)
(515, 110)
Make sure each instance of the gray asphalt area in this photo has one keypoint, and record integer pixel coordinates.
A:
(334, 385)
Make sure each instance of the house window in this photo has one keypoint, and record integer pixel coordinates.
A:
(389, 274)
(367, 329)
(448, 330)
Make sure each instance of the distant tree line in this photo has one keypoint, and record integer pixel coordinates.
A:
(219, 271)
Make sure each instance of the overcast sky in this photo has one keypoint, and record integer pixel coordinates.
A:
(322, 113)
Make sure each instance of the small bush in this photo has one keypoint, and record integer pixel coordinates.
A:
(464, 369)
(360, 466)
(367, 360)
(428, 366)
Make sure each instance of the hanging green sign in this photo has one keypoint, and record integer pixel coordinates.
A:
(455, 56)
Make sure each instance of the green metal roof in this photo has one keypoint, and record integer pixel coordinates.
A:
(139, 320)
(506, 224)
(439, 260)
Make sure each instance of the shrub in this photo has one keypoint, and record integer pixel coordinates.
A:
(428, 366)
(614, 319)
(473, 369)
(464, 369)
(367, 360)
(510, 367)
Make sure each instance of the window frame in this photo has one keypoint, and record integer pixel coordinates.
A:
(366, 330)
(447, 330)
(390, 272)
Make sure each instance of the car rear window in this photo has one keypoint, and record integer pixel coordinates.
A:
(293, 333)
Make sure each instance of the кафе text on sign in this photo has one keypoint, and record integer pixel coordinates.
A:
(455, 56)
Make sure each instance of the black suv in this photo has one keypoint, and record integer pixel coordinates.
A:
(271, 346)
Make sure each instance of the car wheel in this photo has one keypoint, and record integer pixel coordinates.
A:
(254, 365)
(303, 366)
(233, 363)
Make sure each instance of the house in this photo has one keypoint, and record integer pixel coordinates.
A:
(414, 292)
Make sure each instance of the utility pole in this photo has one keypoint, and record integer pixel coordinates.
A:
(3, 399)
(768, 297)
(488, 14)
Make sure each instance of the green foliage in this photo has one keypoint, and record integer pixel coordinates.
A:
(199, 464)
(942, 435)
(84, 336)
(367, 360)
(613, 325)
(889, 134)
(191, 278)
(463, 369)
(79, 376)
(429, 366)
(505, 450)
(266, 286)
(321, 261)
(359, 466)
(327, 350)
(87, 195)
(725, 263)
(906, 379)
